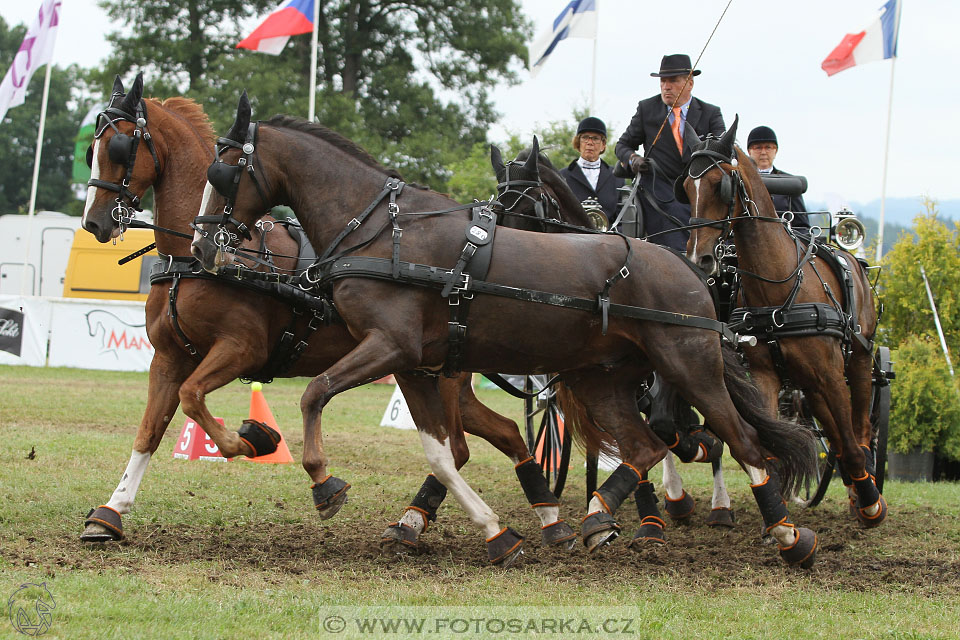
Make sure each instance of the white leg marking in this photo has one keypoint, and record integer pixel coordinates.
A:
(547, 515)
(672, 482)
(440, 457)
(126, 491)
(596, 505)
(94, 175)
(413, 519)
(720, 497)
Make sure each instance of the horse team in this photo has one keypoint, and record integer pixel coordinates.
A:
(395, 264)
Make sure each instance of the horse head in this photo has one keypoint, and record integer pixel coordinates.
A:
(119, 175)
(229, 206)
(709, 185)
(530, 188)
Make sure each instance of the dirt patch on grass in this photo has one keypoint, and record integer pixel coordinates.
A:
(906, 553)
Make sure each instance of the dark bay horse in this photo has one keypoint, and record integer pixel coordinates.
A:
(522, 185)
(334, 186)
(181, 142)
(831, 364)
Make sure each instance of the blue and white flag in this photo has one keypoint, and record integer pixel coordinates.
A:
(577, 20)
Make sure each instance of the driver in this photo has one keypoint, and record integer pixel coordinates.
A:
(665, 156)
(762, 147)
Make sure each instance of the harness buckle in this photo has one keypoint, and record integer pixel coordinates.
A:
(624, 272)
(353, 224)
(393, 209)
(397, 234)
(773, 318)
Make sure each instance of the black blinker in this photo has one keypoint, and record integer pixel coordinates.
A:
(222, 177)
(120, 148)
(90, 156)
(726, 189)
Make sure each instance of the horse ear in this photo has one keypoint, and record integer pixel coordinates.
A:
(132, 99)
(531, 163)
(496, 158)
(118, 86)
(729, 137)
(238, 132)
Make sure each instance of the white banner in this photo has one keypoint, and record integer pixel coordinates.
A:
(24, 325)
(99, 334)
(35, 51)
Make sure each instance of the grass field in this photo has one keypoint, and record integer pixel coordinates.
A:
(235, 550)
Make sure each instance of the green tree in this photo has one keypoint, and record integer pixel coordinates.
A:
(907, 312)
(409, 80)
(18, 136)
(925, 407)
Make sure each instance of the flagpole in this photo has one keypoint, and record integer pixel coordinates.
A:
(593, 80)
(313, 62)
(36, 175)
(886, 157)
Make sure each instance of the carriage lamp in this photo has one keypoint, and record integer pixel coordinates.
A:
(847, 232)
(595, 213)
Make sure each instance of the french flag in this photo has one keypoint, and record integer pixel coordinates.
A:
(291, 18)
(878, 41)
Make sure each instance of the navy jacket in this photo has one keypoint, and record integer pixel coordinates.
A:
(791, 203)
(702, 118)
(606, 191)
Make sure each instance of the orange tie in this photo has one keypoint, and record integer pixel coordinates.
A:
(676, 129)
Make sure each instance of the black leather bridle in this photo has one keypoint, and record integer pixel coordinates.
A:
(122, 150)
(518, 181)
(225, 179)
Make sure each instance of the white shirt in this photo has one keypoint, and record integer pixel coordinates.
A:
(591, 170)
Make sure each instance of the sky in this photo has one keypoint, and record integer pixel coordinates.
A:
(763, 63)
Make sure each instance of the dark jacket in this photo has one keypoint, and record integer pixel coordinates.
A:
(791, 203)
(702, 118)
(606, 191)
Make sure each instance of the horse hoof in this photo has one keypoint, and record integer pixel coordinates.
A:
(329, 495)
(558, 534)
(872, 521)
(680, 509)
(598, 530)
(505, 547)
(650, 534)
(399, 539)
(260, 437)
(721, 517)
(102, 525)
(803, 552)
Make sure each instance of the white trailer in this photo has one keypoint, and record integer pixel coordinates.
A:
(46, 263)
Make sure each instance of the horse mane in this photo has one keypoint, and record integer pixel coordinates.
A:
(343, 143)
(190, 112)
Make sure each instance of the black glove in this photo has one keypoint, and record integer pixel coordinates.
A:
(639, 164)
(621, 171)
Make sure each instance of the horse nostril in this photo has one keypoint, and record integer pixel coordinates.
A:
(708, 264)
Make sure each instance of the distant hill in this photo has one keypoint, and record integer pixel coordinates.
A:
(899, 211)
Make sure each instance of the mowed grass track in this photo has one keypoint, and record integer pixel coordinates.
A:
(236, 550)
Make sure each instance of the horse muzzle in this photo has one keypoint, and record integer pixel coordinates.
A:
(708, 264)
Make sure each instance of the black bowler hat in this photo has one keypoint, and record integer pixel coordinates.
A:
(592, 124)
(677, 64)
(761, 134)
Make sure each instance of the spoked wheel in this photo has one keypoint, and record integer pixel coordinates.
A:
(551, 445)
(880, 412)
(794, 405)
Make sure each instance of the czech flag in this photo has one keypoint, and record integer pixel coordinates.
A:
(291, 18)
(878, 41)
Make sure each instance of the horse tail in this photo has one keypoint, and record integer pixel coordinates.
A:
(585, 432)
(790, 442)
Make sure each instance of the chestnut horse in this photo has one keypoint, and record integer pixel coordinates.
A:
(180, 146)
(832, 363)
(407, 242)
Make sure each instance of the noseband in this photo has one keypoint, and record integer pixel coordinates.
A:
(122, 150)
(225, 179)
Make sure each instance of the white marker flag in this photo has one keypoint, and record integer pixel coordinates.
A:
(35, 51)
(577, 20)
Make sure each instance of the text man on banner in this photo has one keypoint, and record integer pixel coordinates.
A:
(35, 51)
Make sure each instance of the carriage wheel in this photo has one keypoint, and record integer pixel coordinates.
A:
(880, 412)
(551, 445)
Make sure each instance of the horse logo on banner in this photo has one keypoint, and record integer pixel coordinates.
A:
(115, 333)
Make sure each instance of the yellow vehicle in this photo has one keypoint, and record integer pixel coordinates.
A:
(93, 272)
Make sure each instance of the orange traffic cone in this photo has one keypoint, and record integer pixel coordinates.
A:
(260, 411)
